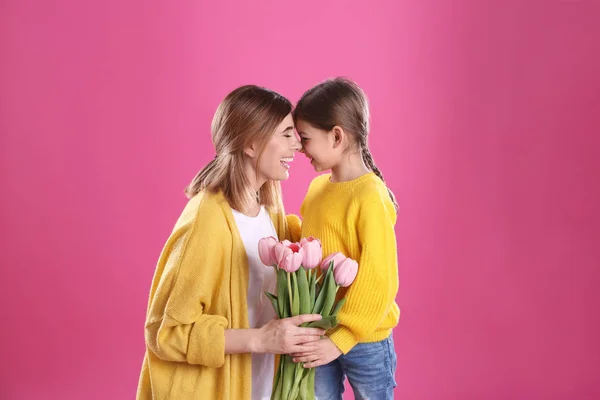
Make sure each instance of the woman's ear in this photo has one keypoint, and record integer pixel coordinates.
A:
(250, 151)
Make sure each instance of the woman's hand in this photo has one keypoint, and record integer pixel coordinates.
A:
(284, 336)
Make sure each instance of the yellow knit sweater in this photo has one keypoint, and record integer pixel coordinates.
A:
(357, 218)
(199, 290)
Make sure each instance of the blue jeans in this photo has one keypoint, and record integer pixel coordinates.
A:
(370, 368)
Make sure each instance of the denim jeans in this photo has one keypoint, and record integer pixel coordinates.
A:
(370, 368)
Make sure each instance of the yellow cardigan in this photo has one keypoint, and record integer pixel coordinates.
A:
(199, 290)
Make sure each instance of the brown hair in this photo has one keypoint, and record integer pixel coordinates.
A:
(248, 114)
(340, 102)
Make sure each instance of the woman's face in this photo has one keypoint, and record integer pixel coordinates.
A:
(279, 152)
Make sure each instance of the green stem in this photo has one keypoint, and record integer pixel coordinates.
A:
(276, 394)
(289, 282)
(319, 278)
(311, 383)
(297, 299)
(288, 375)
(298, 373)
(281, 296)
(305, 390)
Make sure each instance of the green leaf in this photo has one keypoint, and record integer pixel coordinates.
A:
(330, 292)
(324, 323)
(311, 383)
(304, 292)
(277, 384)
(273, 299)
(289, 368)
(304, 388)
(338, 306)
(282, 296)
(298, 374)
(318, 307)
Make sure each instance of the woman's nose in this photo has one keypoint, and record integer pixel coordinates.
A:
(296, 145)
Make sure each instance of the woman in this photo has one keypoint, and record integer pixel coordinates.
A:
(210, 332)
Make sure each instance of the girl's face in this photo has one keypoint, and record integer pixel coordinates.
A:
(279, 152)
(319, 146)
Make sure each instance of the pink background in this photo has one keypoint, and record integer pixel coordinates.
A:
(486, 124)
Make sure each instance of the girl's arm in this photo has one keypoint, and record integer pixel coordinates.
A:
(369, 298)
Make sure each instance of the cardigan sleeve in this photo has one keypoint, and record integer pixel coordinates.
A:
(288, 226)
(188, 278)
(294, 228)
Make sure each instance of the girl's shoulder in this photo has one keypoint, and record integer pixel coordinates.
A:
(317, 184)
(320, 180)
(373, 195)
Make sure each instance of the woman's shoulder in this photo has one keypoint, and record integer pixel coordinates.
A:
(205, 209)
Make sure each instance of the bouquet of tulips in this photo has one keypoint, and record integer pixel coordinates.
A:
(300, 291)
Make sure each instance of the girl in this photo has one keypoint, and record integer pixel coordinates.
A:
(207, 312)
(352, 211)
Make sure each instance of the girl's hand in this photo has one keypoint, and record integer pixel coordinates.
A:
(326, 351)
(284, 336)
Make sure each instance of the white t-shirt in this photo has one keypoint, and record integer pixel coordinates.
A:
(261, 278)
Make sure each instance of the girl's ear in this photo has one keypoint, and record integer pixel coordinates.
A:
(339, 136)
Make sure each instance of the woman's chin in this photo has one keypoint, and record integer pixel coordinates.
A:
(283, 176)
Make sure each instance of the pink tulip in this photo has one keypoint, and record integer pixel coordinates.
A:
(312, 252)
(280, 250)
(345, 272)
(307, 239)
(337, 258)
(266, 251)
(292, 258)
(295, 247)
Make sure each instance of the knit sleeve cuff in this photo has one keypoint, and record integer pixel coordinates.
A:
(343, 338)
(207, 341)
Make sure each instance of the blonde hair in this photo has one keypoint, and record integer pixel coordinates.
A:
(249, 114)
(340, 102)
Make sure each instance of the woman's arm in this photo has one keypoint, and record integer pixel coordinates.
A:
(294, 228)
(277, 337)
(188, 279)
